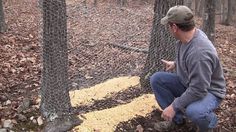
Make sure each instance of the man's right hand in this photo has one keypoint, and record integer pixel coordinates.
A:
(169, 65)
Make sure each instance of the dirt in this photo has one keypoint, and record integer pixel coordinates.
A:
(147, 123)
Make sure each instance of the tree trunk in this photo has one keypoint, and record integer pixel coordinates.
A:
(55, 103)
(200, 8)
(85, 3)
(162, 44)
(188, 3)
(234, 10)
(55, 60)
(223, 11)
(95, 2)
(196, 6)
(229, 16)
(2, 18)
(209, 19)
(234, 6)
(122, 3)
(218, 7)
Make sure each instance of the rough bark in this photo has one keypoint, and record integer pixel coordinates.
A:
(209, 19)
(162, 44)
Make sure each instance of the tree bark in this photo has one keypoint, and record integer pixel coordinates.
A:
(162, 44)
(55, 100)
(2, 18)
(55, 87)
(229, 16)
(95, 2)
(122, 3)
(85, 3)
(199, 5)
(188, 3)
(223, 11)
(234, 6)
(209, 19)
(196, 6)
(218, 7)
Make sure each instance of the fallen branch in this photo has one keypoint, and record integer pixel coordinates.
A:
(131, 48)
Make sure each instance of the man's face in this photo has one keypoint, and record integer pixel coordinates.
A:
(173, 29)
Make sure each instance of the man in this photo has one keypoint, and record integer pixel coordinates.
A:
(198, 86)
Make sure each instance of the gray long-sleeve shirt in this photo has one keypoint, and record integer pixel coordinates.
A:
(199, 69)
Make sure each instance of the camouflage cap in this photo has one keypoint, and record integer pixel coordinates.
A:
(178, 14)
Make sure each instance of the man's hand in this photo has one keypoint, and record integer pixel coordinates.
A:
(168, 113)
(170, 65)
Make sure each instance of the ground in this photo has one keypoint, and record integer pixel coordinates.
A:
(94, 61)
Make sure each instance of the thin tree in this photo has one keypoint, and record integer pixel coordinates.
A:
(55, 103)
(122, 3)
(162, 44)
(199, 6)
(229, 17)
(95, 2)
(209, 19)
(188, 3)
(2, 18)
(223, 11)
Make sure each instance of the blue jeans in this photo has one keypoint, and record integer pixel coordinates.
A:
(167, 86)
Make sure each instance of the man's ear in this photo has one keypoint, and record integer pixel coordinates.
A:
(175, 28)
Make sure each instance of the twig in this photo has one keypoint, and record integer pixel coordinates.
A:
(130, 48)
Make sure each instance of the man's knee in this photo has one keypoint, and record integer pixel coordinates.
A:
(156, 77)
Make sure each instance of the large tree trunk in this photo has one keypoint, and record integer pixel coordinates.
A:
(55, 103)
(209, 19)
(162, 44)
(2, 18)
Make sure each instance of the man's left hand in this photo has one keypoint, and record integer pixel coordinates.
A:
(168, 113)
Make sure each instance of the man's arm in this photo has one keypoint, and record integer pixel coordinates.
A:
(200, 72)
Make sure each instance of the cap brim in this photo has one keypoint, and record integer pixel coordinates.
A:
(164, 20)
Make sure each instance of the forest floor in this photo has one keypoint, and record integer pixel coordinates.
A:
(94, 61)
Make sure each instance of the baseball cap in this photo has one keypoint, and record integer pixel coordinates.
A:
(178, 14)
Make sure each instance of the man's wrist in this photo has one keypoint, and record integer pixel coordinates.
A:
(174, 107)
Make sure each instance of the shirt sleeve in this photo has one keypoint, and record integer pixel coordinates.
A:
(200, 77)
